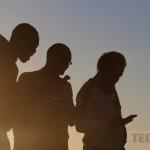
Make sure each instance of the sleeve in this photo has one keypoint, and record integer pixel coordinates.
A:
(70, 109)
(86, 113)
(24, 88)
(81, 109)
(19, 95)
(22, 95)
(22, 84)
(8, 92)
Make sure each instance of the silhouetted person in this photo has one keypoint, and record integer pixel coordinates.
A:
(46, 106)
(98, 108)
(22, 45)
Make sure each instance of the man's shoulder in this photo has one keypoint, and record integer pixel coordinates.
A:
(86, 87)
(85, 92)
(65, 81)
(65, 86)
(3, 44)
(3, 47)
(28, 77)
(3, 40)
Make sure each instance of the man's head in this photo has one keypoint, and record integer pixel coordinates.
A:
(111, 65)
(24, 40)
(58, 58)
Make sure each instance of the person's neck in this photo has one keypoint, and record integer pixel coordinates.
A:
(102, 81)
(50, 74)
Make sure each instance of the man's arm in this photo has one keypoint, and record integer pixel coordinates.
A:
(86, 120)
(69, 105)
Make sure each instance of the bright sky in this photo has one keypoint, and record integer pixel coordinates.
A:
(90, 28)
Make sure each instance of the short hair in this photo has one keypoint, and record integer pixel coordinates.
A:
(58, 51)
(107, 60)
(23, 32)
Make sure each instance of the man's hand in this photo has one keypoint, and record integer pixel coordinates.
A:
(129, 119)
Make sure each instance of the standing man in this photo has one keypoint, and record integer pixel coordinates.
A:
(98, 108)
(46, 108)
(23, 43)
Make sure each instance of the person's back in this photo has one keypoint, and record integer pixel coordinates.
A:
(8, 75)
(95, 112)
(43, 121)
(22, 45)
(98, 108)
(8, 68)
(46, 104)
(26, 127)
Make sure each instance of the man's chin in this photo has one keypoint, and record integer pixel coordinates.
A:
(24, 60)
(115, 81)
(61, 73)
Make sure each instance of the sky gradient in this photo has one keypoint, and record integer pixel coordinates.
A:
(90, 28)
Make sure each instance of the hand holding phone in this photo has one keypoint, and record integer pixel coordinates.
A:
(129, 118)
